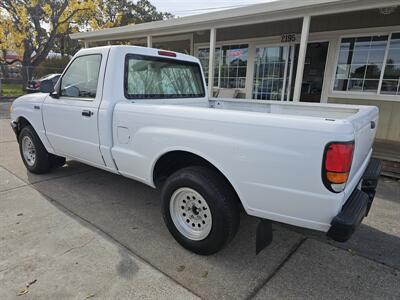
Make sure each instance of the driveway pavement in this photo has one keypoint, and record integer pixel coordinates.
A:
(82, 232)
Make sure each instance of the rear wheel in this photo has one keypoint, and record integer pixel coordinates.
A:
(34, 154)
(200, 209)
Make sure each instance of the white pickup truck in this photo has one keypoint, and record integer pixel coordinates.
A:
(145, 114)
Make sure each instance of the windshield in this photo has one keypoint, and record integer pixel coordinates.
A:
(149, 77)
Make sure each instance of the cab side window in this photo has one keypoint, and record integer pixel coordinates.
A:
(80, 79)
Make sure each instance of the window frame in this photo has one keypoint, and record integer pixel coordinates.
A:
(208, 59)
(201, 46)
(363, 94)
(289, 73)
(59, 82)
(163, 59)
(236, 67)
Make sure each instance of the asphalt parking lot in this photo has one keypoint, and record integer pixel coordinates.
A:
(80, 233)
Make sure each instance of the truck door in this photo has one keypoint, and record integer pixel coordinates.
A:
(71, 117)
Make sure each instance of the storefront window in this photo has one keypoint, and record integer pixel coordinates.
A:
(391, 77)
(230, 65)
(204, 57)
(233, 67)
(270, 77)
(361, 63)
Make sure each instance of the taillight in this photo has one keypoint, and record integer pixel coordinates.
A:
(338, 157)
(36, 84)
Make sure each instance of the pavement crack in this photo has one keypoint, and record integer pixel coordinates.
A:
(78, 247)
(14, 188)
(278, 268)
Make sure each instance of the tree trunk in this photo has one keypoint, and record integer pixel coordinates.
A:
(4, 67)
(26, 72)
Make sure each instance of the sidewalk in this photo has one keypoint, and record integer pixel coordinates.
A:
(65, 257)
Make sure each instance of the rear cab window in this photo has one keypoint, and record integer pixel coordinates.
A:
(148, 77)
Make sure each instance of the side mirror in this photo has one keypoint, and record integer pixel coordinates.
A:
(56, 92)
(54, 95)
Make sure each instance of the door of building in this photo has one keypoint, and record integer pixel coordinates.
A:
(314, 71)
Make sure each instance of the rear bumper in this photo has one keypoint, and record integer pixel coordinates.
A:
(357, 206)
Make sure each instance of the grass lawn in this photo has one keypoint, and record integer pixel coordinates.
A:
(12, 90)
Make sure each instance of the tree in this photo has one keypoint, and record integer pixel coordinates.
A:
(115, 13)
(64, 44)
(144, 11)
(33, 25)
(33, 28)
(109, 13)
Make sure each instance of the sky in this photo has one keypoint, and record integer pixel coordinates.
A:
(190, 7)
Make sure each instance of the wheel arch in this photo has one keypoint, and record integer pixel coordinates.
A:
(22, 121)
(174, 160)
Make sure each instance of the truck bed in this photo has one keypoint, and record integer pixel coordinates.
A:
(360, 117)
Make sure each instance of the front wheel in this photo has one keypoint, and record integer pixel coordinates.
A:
(34, 155)
(200, 209)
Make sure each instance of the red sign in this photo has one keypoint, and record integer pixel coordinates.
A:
(234, 53)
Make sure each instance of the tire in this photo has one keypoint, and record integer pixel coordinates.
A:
(200, 209)
(34, 155)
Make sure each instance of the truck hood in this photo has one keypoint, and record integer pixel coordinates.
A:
(21, 104)
(35, 97)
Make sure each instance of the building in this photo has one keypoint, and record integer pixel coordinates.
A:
(329, 51)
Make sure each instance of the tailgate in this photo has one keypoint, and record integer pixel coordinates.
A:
(365, 123)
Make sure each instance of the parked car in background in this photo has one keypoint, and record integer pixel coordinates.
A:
(44, 84)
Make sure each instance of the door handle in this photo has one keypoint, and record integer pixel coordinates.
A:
(87, 113)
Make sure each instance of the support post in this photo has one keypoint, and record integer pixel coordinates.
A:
(250, 71)
(149, 41)
(302, 57)
(213, 40)
(191, 45)
(86, 44)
